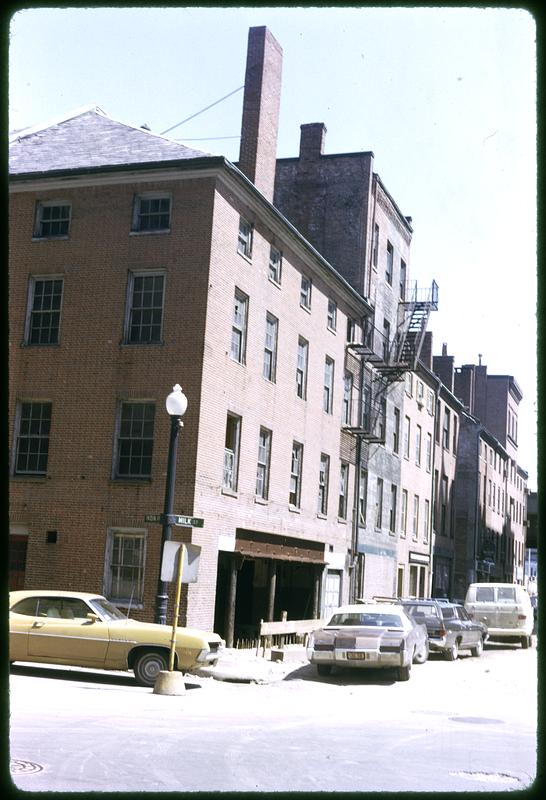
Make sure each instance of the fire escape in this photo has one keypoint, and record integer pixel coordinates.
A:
(390, 358)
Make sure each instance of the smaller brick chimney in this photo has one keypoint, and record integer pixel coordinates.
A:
(426, 351)
(444, 367)
(312, 139)
(261, 102)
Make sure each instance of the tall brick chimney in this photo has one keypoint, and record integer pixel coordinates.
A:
(260, 124)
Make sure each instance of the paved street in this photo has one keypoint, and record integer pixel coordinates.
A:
(462, 726)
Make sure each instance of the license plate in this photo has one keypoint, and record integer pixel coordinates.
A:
(358, 656)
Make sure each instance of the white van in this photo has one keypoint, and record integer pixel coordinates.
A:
(504, 607)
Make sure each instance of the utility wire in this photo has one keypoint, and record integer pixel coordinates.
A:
(202, 110)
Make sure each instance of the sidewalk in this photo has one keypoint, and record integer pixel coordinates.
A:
(244, 666)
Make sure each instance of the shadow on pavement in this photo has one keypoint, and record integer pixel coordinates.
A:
(98, 678)
(344, 677)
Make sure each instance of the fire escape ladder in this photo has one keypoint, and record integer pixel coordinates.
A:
(415, 312)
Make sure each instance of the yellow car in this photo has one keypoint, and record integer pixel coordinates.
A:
(86, 630)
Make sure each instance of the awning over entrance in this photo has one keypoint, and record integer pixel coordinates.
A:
(258, 544)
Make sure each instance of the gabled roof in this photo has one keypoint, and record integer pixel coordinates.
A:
(89, 138)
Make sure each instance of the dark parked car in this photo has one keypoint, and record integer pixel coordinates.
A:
(449, 626)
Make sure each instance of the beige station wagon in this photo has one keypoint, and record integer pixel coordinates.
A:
(86, 630)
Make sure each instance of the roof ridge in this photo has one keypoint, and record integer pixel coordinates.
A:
(78, 112)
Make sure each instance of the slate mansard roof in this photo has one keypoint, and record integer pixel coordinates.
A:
(89, 139)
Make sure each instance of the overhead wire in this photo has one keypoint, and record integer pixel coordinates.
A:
(201, 112)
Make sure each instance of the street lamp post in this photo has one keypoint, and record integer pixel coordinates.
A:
(176, 404)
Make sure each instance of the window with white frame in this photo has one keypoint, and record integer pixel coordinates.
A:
(375, 245)
(420, 393)
(52, 219)
(343, 490)
(239, 327)
(446, 429)
(332, 314)
(44, 311)
(404, 514)
(418, 436)
(262, 471)
(305, 292)
(396, 431)
(275, 265)
(145, 303)
(403, 270)
(379, 503)
(390, 263)
(231, 452)
(32, 438)
(353, 330)
(426, 522)
(270, 347)
(392, 510)
(244, 244)
(135, 440)
(328, 392)
(409, 384)
(296, 463)
(301, 368)
(406, 437)
(324, 471)
(362, 497)
(382, 420)
(124, 572)
(366, 407)
(386, 340)
(430, 402)
(152, 213)
(347, 398)
(429, 452)
(415, 525)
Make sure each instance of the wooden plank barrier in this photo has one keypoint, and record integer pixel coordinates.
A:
(294, 627)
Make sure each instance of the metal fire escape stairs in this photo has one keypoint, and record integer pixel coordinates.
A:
(390, 359)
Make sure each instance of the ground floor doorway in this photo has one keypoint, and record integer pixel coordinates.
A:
(17, 561)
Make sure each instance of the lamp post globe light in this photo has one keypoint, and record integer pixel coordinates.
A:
(176, 404)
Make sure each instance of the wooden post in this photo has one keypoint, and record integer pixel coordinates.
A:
(232, 596)
(316, 592)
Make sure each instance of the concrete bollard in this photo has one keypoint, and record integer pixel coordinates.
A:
(170, 683)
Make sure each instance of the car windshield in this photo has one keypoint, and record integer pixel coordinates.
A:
(448, 612)
(370, 619)
(106, 609)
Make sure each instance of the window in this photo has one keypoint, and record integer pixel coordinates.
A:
(332, 315)
(443, 507)
(420, 393)
(294, 497)
(375, 248)
(323, 484)
(244, 245)
(406, 437)
(430, 402)
(362, 497)
(390, 261)
(392, 510)
(135, 440)
(152, 213)
(52, 219)
(455, 435)
(275, 265)
(343, 490)
(438, 418)
(33, 439)
(125, 566)
(238, 331)
(231, 452)
(379, 503)
(418, 435)
(352, 330)
(262, 472)
(328, 393)
(367, 407)
(145, 308)
(44, 317)
(426, 522)
(402, 279)
(445, 440)
(409, 384)
(270, 348)
(415, 525)
(301, 368)
(396, 431)
(305, 292)
(429, 452)
(382, 421)
(404, 520)
(386, 340)
(347, 398)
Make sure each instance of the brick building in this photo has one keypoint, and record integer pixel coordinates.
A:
(137, 263)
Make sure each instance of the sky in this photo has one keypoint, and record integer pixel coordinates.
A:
(444, 97)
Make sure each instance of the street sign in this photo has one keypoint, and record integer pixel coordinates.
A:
(176, 519)
(169, 562)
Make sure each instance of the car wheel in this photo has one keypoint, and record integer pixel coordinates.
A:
(477, 649)
(453, 652)
(147, 667)
(421, 655)
(525, 642)
(324, 669)
(404, 673)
